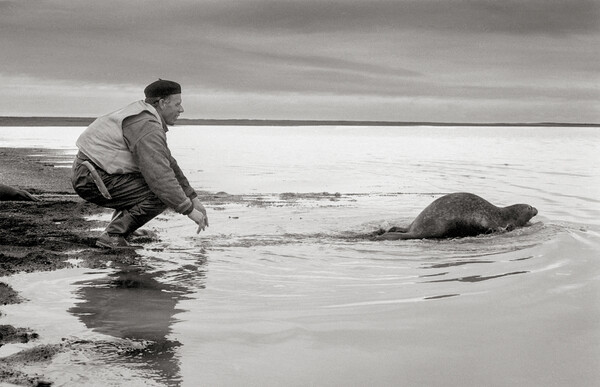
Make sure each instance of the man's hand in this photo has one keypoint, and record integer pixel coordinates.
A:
(199, 218)
(198, 206)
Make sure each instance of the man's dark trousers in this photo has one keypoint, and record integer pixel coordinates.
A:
(133, 201)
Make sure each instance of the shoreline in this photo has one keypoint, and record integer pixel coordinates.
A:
(40, 236)
(46, 236)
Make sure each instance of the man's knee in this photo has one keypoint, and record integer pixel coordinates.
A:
(151, 206)
(156, 208)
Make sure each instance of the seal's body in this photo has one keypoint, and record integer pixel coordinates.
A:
(462, 214)
(12, 194)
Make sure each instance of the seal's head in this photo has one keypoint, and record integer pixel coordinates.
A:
(520, 214)
(165, 96)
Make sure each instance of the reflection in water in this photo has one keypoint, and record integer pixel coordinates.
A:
(442, 296)
(479, 278)
(458, 263)
(132, 304)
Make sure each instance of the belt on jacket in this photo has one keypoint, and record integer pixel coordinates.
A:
(95, 176)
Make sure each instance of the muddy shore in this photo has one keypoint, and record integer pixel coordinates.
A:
(38, 236)
(46, 235)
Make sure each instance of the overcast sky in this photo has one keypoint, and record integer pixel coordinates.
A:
(405, 60)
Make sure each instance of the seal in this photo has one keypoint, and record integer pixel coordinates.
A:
(462, 214)
(8, 193)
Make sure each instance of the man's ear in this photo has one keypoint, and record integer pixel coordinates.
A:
(163, 102)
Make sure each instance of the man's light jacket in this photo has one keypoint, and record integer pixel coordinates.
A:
(133, 140)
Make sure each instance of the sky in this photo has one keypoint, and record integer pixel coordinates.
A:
(403, 60)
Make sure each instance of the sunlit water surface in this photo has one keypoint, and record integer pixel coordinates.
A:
(285, 287)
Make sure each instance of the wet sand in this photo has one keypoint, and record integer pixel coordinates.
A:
(39, 236)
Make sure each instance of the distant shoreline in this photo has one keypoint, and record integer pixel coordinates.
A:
(85, 121)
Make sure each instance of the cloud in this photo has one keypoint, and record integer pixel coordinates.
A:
(466, 16)
(339, 49)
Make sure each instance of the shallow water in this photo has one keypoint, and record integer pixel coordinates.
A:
(288, 290)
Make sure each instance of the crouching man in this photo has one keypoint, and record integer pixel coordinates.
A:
(124, 163)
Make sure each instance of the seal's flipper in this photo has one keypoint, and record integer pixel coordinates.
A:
(8, 193)
(398, 229)
(27, 196)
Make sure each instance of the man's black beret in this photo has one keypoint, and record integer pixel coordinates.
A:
(162, 88)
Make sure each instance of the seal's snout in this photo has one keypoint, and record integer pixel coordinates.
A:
(532, 212)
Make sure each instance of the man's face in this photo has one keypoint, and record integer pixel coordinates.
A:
(171, 108)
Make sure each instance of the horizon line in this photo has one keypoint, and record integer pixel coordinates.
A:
(85, 121)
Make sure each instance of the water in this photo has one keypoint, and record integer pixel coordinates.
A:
(283, 288)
